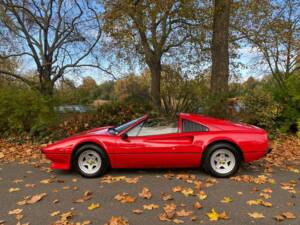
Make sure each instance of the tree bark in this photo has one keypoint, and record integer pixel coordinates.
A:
(220, 57)
(155, 69)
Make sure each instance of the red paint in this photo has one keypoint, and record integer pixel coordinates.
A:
(163, 151)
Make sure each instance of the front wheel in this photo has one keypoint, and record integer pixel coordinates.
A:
(221, 160)
(90, 161)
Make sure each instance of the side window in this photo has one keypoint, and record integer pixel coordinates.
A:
(189, 126)
(153, 127)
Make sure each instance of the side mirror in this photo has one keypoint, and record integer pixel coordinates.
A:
(124, 136)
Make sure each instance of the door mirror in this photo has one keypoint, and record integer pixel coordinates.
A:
(124, 136)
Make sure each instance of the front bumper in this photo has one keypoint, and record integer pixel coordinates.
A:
(59, 161)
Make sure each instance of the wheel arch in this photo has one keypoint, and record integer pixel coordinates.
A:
(79, 145)
(233, 144)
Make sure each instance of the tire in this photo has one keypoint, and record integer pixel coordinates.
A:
(90, 161)
(221, 160)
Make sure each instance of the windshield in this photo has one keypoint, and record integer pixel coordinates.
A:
(125, 125)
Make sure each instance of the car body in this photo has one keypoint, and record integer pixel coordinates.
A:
(181, 147)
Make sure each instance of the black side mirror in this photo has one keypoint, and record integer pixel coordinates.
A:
(124, 136)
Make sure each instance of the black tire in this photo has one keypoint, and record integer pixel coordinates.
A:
(206, 162)
(100, 152)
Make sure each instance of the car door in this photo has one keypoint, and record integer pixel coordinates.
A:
(154, 150)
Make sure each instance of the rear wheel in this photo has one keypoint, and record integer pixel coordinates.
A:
(90, 161)
(221, 160)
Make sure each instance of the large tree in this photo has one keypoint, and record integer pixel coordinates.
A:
(150, 29)
(220, 55)
(50, 37)
(272, 29)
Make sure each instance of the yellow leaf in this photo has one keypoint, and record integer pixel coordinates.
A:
(187, 192)
(55, 213)
(150, 206)
(201, 195)
(226, 200)
(93, 206)
(46, 181)
(256, 215)
(213, 215)
(15, 211)
(14, 189)
(177, 221)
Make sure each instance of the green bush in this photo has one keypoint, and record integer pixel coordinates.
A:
(260, 108)
(298, 127)
(23, 110)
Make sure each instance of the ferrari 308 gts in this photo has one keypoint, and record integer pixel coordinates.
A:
(219, 146)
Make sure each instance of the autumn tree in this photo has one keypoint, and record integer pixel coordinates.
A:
(272, 29)
(151, 29)
(57, 36)
(220, 56)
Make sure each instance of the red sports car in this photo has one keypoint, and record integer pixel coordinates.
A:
(192, 141)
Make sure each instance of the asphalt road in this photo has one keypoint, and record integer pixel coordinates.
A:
(64, 190)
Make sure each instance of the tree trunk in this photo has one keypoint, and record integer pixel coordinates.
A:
(46, 84)
(220, 57)
(155, 69)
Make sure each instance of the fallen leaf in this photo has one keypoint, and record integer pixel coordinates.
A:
(177, 189)
(1, 155)
(183, 213)
(93, 206)
(289, 215)
(169, 210)
(124, 198)
(213, 215)
(177, 221)
(55, 213)
(197, 205)
(36, 198)
(137, 211)
(187, 192)
(86, 196)
(150, 206)
(279, 218)
(202, 195)
(256, 215)
(146, 194)
(117, 221)
(226, 200)
(46, 181)
(259, 202)
(166, 196)
(13, 190)
(15, 211)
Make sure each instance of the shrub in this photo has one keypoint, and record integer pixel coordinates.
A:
(260, 108)
(23, 110)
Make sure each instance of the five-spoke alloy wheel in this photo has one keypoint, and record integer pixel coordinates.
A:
(90, 161)
(221, 160)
